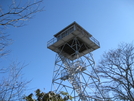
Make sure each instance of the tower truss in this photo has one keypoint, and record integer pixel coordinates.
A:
(74, 70)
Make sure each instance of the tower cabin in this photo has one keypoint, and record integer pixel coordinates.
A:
(63, 42)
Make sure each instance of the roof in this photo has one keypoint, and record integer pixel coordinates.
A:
(74, 23)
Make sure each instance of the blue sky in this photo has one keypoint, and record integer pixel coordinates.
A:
(109, 21)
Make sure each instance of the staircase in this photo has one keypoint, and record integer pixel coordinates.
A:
(74, 79)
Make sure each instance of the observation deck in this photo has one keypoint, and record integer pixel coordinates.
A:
(64, 39)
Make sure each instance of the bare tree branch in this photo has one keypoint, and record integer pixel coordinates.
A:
(16, 16)
(19, 13)
(12, 86)
(116, 70)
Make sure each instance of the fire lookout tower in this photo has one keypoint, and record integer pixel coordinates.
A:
(74, 70)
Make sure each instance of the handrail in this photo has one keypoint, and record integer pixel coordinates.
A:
(62, 34)
(68, 31)
(95, 41)
(52, 41)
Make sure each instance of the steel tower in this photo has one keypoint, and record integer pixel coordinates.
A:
(74, 70)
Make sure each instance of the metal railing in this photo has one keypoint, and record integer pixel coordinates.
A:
(85, 33)
(95, 41)
(70, 30)
(52, 41)
(61, 35)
